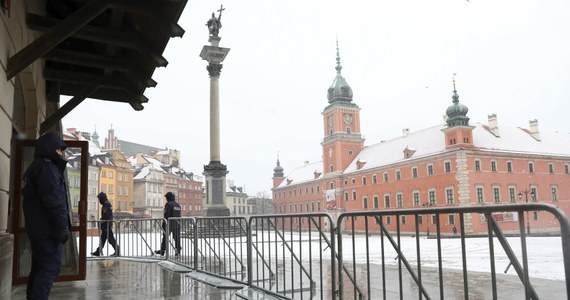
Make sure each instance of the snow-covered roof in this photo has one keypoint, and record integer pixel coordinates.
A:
(515, 139)
(304, 173)
(429, 141)
(232, 188)
(156, 164)
(425, 142)
(143, 173)
(132, 160)
(93, 148)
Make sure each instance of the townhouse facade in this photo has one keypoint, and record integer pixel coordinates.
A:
(237, 200)
(190, 194)
(123, 184)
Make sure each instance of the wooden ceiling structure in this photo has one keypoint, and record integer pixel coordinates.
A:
(99, 49)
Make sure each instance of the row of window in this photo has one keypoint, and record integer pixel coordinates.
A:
(531, 166)
(449, 199)
(447, 167)
(529, 195)
(451, 219)
(293, 192)
(294, 208)
(154, 201)
(240, 210)
(513, 196)
(239, 200)
(171, 180)
(197, 186)
(154, 187)
(109, 189)
(110, 174)
(74, 181)
(196, 207)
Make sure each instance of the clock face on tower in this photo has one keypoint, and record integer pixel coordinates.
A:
(347, 118)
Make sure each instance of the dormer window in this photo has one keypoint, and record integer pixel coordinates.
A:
(360, 164)
(408, 152)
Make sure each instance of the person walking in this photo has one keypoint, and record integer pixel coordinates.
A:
(46, 213)
(106, 226)
(171, 209)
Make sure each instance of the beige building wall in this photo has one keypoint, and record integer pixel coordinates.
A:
(23, 107)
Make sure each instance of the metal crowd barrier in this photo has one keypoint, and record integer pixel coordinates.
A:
(355, 256)
(374, 281)
(291, 255)
(136, 238)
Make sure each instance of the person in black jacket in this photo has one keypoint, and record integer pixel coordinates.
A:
(46, 213)
(171, 209)
(106, 226)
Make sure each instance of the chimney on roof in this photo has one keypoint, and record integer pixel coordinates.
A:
(533, 129)
(405, 132)
(494, 125)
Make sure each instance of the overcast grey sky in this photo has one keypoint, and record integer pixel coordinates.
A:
(512, 58)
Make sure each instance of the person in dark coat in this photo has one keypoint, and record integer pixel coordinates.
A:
(171, 209)
(106, 226)
(46, 213)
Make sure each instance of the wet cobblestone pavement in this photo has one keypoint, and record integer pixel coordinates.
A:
(126, 279)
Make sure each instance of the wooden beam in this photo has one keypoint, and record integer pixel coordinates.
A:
(91, 60)
(66, 108)
(49, 40)
(81, 78)
(129, 39)
(155, 12)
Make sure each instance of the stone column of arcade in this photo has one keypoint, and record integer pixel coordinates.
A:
(215, 172)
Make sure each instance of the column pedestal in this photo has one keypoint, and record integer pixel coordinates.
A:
(215, 173)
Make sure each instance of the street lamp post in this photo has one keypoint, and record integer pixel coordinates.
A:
(526, 192)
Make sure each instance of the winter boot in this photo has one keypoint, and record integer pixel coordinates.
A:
(117, 251)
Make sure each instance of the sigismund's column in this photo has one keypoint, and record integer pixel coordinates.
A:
(215, 172)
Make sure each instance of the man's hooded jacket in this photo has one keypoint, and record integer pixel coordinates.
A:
(106, 210)
(172, 209)
(45, 195)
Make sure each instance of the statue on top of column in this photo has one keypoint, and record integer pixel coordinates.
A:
(214, 24)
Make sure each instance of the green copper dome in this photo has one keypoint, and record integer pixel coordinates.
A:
(278, 170)
(457, 112)
(339, 90)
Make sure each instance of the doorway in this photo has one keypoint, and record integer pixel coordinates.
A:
(74, 256)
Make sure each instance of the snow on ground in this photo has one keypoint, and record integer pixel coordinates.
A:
(544, 253)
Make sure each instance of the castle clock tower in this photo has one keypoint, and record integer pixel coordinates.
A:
(342, 139)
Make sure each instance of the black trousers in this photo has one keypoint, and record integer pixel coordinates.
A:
(175, 230)
(46, 264)
(107, 233)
